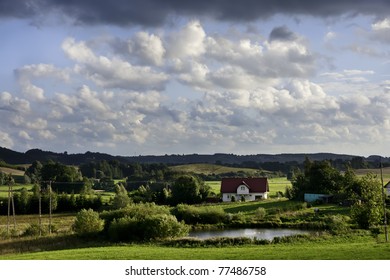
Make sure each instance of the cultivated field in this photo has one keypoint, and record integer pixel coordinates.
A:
(209, 169)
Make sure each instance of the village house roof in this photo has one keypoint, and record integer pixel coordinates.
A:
(255, 185)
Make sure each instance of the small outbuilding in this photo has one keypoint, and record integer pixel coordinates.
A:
(248, 189)
(313, 197)
(387, 188)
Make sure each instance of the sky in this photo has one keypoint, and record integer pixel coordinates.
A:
(143, 77)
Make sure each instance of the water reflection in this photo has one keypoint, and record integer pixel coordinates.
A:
(268, 234)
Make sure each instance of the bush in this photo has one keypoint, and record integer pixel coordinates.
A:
(260, 213)
(337, 223)
(34, 230)
(214, 242)
(88, 223)
(199, 214)
(158, 226)
(133, 210)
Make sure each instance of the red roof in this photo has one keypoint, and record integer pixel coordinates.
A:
(255, 185)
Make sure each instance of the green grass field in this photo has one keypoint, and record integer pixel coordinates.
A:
(208, 169)
(335, 248)
(16, 188)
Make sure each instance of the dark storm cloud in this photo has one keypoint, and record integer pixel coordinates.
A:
(282, 33)
(155, 12)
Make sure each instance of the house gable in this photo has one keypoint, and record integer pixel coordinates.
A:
(254, 185)
(249, 189)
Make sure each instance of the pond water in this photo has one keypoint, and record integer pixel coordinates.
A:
(259, 233)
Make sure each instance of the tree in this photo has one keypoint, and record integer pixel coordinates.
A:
(318, 177)
(368, 212)
(34, 171)
(121, 198)
(55, 171)
(186, 189)
(88, 222)
(23, 201)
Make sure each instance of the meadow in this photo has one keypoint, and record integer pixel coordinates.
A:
(363, 247)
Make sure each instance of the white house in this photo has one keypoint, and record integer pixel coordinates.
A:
(250, 189)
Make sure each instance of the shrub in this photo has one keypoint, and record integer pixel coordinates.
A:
(157, 226)
(260, 213)
(88, 223)
(133, 210)
(214, 242)
(337, 223)
(199, 214)
(237, 218)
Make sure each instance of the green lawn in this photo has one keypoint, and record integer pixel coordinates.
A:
(353, 248)
(4, 189)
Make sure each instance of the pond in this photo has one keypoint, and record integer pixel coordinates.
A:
(259, 233)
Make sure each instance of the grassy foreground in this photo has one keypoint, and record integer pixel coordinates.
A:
(364, 247)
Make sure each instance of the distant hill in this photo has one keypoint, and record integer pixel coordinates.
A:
(14, 157)
(209, 169)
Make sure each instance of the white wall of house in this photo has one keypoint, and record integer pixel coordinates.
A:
(242, 189)
(227, 197)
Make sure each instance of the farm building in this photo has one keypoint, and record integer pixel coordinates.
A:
(312, 197)
(387, 187)
(249, 189)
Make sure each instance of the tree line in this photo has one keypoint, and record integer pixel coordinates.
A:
(363, 194)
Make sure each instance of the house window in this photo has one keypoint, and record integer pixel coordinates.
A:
(243, 188)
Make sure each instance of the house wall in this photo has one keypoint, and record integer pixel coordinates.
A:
(227, 197)
(242, 189)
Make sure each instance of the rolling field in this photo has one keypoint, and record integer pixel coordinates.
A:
(12, 171)
(385, 171)
(62, 222)
(208, 169)
(4, 189)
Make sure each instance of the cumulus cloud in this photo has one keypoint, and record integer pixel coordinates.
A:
(112, 72)
(8, 102)
(27, 73)
(148, 47)
(381, 30)
(6, 140)
(188, 42)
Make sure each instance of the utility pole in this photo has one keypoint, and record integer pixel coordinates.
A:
(10, 201)
(50, 206)
(40, 209)
(9, 207)
(384, 205)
